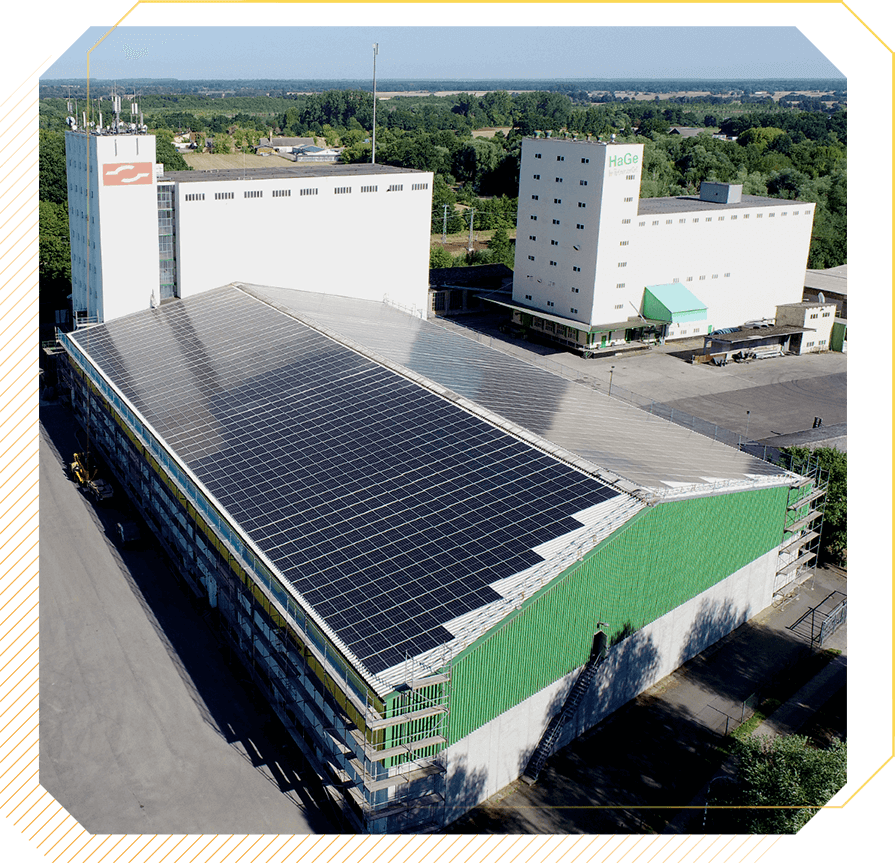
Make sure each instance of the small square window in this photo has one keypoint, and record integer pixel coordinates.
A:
(531, 257)
(557, 200)
(556, 221)
(580, 227)
(534, 197)
(537, 176)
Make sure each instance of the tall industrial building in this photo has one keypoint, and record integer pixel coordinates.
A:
(597, 265)
(140, 236)
(413, 540)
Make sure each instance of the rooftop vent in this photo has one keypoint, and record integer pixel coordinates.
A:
(721, 193)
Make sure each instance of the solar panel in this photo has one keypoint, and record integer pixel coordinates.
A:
(390, 509)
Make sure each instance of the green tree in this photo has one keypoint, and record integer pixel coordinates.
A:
(52, 183)
(835, 464)
(439, 257)
(54, 251)
(500, 248)
(223, 144)
(760, 135)
(778, 771)
(166, 153)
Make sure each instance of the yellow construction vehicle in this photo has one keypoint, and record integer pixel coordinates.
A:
(84, 473)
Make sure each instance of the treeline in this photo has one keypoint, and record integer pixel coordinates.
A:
(463, 110)
(263, 87)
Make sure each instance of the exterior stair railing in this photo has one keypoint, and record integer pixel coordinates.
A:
(573, 699)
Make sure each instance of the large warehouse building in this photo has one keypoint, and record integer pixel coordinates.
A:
(140, 236)
(597, 265)
(414, 540)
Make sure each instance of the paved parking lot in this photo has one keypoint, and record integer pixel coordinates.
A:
(144, 728)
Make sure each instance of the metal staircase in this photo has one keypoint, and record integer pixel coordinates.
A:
(573, 699)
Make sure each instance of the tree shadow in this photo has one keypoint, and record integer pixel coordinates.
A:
(713, 621)
(733, 661)
(463, 790)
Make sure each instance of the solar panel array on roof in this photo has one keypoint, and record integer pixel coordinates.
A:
(387, 507)
(609, 433)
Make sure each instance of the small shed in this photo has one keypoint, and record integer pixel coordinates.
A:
(760, 342)
(816, 317)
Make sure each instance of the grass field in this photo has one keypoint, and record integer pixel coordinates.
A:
(220, 162)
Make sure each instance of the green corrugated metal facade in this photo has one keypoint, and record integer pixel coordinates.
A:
(662, 558)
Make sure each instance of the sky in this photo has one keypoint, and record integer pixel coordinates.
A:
(443, 53)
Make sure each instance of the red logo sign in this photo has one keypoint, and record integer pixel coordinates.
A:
(128, 174)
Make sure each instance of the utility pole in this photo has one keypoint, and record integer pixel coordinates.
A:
(375, 52)
(470, 247)
(444, 226)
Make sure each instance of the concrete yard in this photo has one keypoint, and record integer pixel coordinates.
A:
(144, 728)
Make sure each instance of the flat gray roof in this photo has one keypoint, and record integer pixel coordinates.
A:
(309, 169)
(751, 334)
(692, 203)
(833, 280)
(501, 300)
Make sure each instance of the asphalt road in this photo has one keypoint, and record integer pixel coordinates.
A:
(144, 728)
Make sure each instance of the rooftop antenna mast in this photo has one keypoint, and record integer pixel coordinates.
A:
(375, 52)
(135, 110)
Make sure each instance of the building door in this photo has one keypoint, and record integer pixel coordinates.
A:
(600, 644)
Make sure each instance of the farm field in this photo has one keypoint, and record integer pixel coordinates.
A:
(221, 161)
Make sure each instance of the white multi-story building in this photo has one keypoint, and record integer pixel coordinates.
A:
(596, 265)
(141, 236)
(113, 223)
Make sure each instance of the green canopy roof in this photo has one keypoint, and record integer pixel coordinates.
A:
(672, 303)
